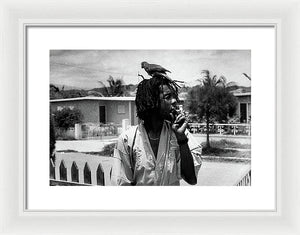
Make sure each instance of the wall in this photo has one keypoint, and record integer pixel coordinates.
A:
(81, 159)
(90, 110)
(112, 111)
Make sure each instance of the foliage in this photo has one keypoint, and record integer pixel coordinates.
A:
(115, 88)
(226, 154)
(212, 100)
(224, 143)
(227, 149)
(108, 150)
(63, 134)
(56, 93)
(74, 93)
(213, 151)
(52, 138)
(234, 119)
(67, 117)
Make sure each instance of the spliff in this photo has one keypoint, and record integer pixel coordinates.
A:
(178, 111)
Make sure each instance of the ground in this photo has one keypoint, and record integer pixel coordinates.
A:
(215, 171)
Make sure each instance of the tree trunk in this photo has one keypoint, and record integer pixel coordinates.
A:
(207, 132)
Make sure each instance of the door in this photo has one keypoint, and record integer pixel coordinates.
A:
(243, 113)
(102, 114)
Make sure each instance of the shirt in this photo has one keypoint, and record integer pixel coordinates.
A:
(134, 162)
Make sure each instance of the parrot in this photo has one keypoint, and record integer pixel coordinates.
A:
(152, 69)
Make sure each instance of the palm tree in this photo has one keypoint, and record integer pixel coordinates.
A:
(215, 81)
(115, 88)
(212, 100)
(55, 93)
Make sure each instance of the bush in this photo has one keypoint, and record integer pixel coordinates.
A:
(62, 134)
(67, 118)
(108, 150)
(52, 140)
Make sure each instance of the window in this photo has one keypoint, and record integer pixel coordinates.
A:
(121, 109)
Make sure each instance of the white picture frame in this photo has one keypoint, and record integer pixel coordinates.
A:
(283, 14)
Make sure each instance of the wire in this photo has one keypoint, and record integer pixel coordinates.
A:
(90, 69)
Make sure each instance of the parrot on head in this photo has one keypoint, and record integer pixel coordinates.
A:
(153, 69)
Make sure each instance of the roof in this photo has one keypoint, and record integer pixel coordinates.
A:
(242, 94)
(114, 98)
(123, 98)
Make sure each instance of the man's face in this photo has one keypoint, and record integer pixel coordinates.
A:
(168, 102)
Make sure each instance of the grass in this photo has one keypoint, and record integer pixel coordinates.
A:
(226, 149)
(108, 150)
(67, 151)
(225, 152)
(222, 144)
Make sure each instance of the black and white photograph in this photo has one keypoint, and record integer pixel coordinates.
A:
(150, 117)
(199, 95)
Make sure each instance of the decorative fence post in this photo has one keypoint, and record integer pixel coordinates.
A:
(125, 124)
(78, 131)
(234, 130)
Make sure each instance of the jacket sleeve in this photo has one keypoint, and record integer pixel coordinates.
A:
(196, 150)
(122, 171)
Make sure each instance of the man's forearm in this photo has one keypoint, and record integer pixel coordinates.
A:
(187, 162)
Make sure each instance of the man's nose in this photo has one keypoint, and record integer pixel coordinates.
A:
(174, 102)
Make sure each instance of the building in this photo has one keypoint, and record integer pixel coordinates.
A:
(243, 110)
(100, 109)
(115, 109)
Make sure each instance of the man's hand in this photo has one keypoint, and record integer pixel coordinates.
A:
(180, 124)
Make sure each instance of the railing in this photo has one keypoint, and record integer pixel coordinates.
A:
(221, 129)
(89, 131)
(98, 130)
(245, 180)
(65, 183)
(79, 169)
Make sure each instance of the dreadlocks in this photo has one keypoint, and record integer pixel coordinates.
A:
(147, 96)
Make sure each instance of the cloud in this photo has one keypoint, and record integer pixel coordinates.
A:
(86, 67)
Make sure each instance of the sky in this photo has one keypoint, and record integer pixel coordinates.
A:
(84, 68)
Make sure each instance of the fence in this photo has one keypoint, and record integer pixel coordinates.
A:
(89, 131)
(98, 130)
(221, 129)
(245, 180)
(79, 169)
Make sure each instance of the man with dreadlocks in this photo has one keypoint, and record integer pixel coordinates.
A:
(159, 151)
